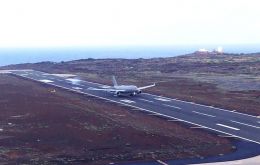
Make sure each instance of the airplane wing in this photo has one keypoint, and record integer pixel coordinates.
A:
(106, 89)
(98, 89)
(149, 86)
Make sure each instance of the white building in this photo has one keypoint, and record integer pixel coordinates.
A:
(216, 51)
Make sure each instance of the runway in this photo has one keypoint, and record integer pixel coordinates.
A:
(226, 123)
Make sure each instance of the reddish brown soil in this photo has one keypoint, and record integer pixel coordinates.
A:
(40, 126)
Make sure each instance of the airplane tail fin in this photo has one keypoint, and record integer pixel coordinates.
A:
(114, 81)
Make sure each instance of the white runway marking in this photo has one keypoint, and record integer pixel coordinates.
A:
(172, 106)
(146, 100)
(127, 101)
(4, 72)
(77, 88)
(244, 124)
(18, 116)
(162, 99)
(46, 81)
(73, 80)
(105, 86)
(203, 114)
(161, 162)
(222, 125)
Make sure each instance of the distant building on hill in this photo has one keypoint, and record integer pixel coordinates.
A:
(202, 51)
(217, 51)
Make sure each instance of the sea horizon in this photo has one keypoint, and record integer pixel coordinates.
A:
(10, 56)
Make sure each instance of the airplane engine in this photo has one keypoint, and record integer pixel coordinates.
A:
(139, 92)
(133, 94)
(118, 93)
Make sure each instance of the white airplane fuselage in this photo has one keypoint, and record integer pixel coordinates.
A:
(128, 89)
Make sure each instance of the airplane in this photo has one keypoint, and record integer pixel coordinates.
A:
(120, 90)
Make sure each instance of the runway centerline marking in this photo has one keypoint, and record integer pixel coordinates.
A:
(127, 101)
(222, 125)
(146, 100)
(77, 88)
(172, 106)
(244, 124)
(73, 80)
(204, 114)
(161, 99)
(46, 81)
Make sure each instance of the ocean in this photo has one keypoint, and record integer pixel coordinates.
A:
(31, 55)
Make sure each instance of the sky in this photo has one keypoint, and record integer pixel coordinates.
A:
(59, 23)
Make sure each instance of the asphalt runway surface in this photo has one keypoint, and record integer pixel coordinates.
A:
(227, 123)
